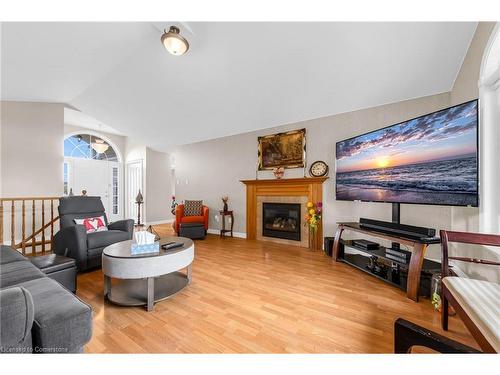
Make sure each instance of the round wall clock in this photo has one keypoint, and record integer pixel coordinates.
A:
(318, 169)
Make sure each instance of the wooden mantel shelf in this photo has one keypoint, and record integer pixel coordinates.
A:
(288, 187)
(301, 180)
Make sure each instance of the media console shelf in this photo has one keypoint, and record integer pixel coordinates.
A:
(416, 260)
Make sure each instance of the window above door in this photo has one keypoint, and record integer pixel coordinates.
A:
(80, 146)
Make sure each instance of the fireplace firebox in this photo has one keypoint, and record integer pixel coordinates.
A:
(281, 220)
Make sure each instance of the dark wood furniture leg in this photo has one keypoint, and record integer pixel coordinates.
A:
(223, 231)
(414, 271)
(232, 224)
(336, 242)
(444, 308)
(408, 335)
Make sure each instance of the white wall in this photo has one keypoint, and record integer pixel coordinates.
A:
(465, 87)
(1, 106)
(31, 149)
(135, 151)
(156, 180)
(158, 186)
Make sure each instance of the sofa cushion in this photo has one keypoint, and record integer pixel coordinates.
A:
(17, 272)
(16, 315)
(103, 239)
(480, 300)
(9, 255)
(62, 322)
(193, 219)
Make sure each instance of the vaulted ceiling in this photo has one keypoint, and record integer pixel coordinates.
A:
(236, 77)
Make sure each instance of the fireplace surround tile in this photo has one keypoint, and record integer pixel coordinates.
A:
(304, 233)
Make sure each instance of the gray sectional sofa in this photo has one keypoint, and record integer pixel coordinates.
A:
(37, 314)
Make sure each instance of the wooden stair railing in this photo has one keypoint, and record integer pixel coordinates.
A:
(38, 209)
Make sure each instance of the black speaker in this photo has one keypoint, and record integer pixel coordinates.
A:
(328, 245)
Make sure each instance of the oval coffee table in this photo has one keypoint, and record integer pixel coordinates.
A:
(146, 278)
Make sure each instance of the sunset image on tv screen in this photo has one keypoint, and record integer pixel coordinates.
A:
(429, 160)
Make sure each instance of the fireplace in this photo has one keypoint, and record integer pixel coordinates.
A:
(281, 220)
(287, 190)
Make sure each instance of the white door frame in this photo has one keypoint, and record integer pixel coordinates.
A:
(130, 195)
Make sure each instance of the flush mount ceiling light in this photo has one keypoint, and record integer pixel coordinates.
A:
(174, 42)
(99, 146)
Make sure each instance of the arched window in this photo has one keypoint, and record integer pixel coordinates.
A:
(88, 146)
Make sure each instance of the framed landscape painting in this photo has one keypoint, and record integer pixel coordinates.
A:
(286, 150)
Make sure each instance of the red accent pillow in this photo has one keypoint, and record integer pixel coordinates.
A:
(93, 224)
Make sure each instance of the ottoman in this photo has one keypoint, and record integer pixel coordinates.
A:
(192, 230)
(59, 268)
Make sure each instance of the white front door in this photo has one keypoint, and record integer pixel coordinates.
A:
(99, 178)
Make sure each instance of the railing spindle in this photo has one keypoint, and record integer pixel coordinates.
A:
(51, 223)
(26, 240)
(43, 225)
(33, 242)
(13, 225)
(23, 244)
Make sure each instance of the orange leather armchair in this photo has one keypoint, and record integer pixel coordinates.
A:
(180, 218)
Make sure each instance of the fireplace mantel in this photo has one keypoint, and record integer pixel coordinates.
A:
(287, 187)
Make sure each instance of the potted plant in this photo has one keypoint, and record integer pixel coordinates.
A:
(173, 205)
(313, 220)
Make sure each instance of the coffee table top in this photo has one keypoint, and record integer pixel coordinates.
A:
(122, 249)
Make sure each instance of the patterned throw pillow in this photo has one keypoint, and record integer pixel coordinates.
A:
(93, 224)
(193, 208)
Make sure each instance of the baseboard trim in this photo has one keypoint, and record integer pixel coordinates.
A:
(167, 221)
(235, 234)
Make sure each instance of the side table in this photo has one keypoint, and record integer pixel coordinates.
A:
(223, 215)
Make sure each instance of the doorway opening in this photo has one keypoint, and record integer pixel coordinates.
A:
(93, 164)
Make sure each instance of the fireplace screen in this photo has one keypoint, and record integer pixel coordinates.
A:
(281, 220)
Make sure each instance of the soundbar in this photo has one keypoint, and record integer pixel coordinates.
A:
(397, 229)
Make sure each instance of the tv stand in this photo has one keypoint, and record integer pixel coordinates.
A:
(396, 218)
(416, 260)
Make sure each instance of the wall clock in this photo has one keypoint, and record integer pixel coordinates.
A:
(318, 169)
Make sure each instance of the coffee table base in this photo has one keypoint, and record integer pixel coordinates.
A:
(144, 292)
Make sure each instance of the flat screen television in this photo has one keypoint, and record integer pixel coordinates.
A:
(432, 159)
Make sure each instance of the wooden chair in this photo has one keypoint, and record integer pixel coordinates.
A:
(408, 335)
(476, 302)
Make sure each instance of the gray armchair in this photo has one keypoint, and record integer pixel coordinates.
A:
(73, 241)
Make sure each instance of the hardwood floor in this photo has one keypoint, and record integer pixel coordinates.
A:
(259, 297)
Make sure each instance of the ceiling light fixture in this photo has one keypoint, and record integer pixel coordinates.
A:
(174, 42)
(99, 146)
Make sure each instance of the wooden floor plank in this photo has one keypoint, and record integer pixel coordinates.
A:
(261, 297)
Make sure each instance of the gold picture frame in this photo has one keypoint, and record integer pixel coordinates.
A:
(286, 150)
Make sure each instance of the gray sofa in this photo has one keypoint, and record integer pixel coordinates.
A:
(37, 314)
(74, 242)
